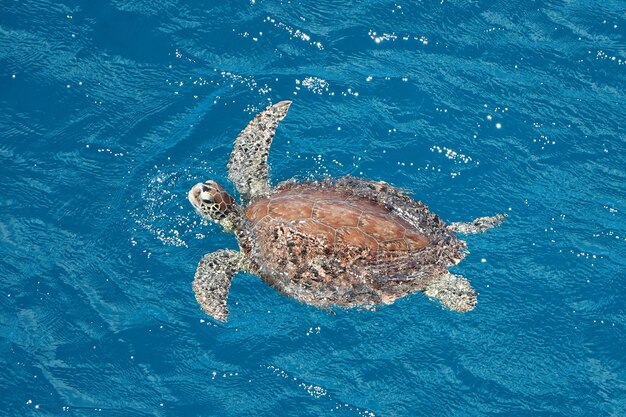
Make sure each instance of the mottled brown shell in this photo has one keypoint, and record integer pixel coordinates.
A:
(345, 242)
(338, 219)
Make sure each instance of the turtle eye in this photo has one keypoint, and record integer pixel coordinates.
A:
(207, 197)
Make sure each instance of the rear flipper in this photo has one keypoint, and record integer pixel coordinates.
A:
(479, 225)
(453, 291)
(212, 281)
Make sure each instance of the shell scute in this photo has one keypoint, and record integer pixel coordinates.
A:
(336, 214)
(312, 228)
(257, 211)
(380, 227)
(398, 245)
(415, 240)
(355, 238)
(290, 209)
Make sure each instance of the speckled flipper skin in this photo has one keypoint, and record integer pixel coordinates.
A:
(478, 225)
(453, 291)
(247, 167)
(212, 281)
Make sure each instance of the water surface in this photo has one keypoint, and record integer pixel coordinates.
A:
(112, 110)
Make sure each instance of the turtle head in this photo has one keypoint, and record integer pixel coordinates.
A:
(213, 202)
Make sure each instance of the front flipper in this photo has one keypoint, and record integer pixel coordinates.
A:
(479, 225)
(247, 167)
(453, 291)
(212, 281)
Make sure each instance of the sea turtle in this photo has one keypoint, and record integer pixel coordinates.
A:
(342, 242)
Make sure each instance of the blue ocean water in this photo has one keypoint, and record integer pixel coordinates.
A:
(111, 110)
